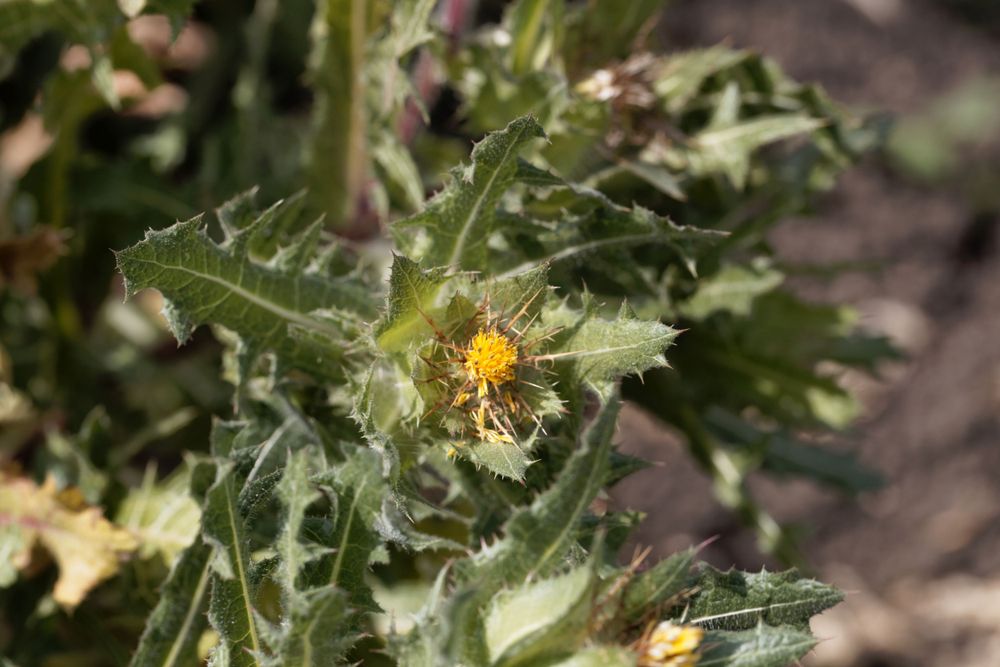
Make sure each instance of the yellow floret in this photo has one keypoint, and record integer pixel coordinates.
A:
(485, 433)
(672, 646)
(490, 359)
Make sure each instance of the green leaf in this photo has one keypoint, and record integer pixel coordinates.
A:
(360, 490)
(527, 290)
(764, 646)
(782, 454)
(232, 602)
(533, 25)
(737, 600)
(338, 162)
(548, 616)
(369, 413)
(598, 351)
(682, 75)
(409, 25)
(505, 459)
(176, 624)
(272, 309)
(296, 494)
(600, 32)
(537, 538)
(574, 225)
(658, 585)
(316, 631)
(600, 656)
(458, 221)
(398, 170)
(163, 516)
(732, 289)
(728, 149)
(411, 297)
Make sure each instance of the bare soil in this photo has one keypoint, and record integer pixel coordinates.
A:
(921, 558)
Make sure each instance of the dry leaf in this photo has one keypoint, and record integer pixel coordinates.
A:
(87, 547)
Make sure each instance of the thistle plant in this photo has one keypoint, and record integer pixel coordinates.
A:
(420, 423)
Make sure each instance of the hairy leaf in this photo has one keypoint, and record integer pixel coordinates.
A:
(411, 297)
(727, 147)
(763, 646)
(458, 221)
(547, 616)
(572, 226)
(296, 494)
(505, 459)
(360, 490)
(737, 600)
(537, 538)
(233, 592)
(598, 351)
(285, 311)
(176, 624)
(317, 631)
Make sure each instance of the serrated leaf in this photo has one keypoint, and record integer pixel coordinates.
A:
(316, 631)
(360, 490)
(536, 542)
(203, 282)
(540, 617)
(736, 600)
(505, 459)
(527, 290)
(87, 547)
(176, 624)
(396, 165)
(296, 494)
(537, 538)
(231, 611)
(458, 221)
(576, 223)
(412, 292)
(367, 412)
(764, 646)
(597, 351)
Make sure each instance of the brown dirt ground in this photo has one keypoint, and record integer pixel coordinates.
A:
(922, 556)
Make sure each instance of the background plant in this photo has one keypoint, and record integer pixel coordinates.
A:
(621, 196)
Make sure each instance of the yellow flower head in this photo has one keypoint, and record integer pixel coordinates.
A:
(490, 359)
(671, 645)
(477, 381)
